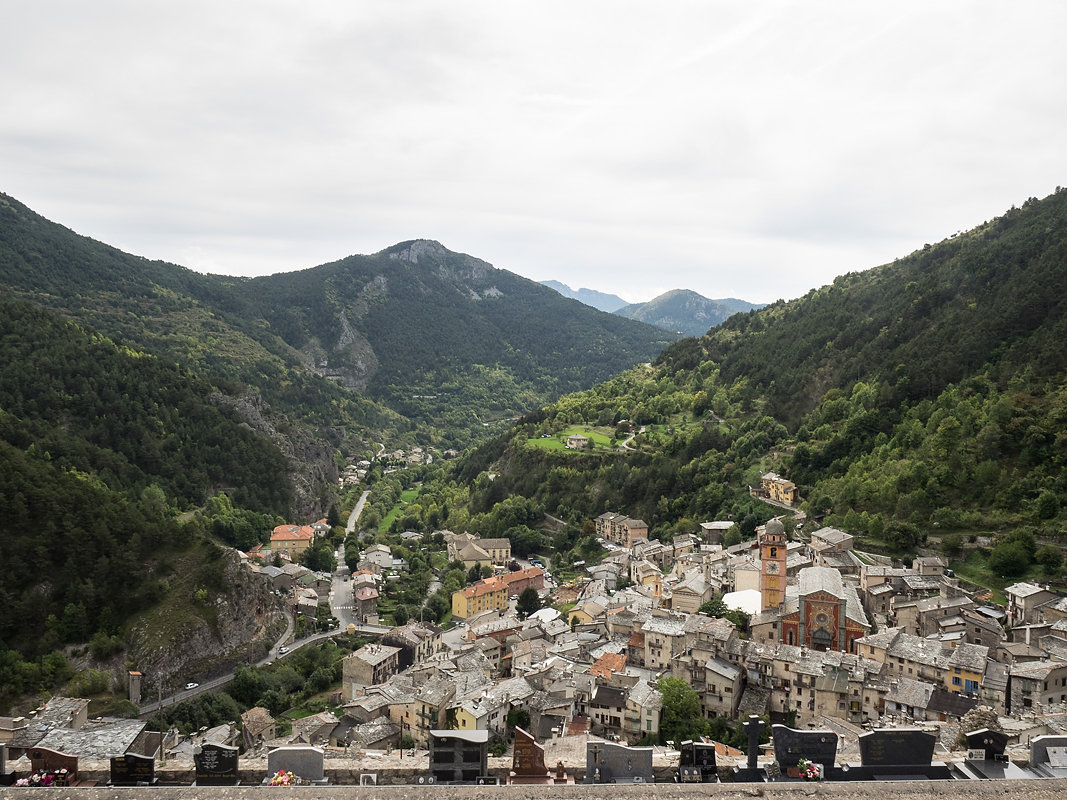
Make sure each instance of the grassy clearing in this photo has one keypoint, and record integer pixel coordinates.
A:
(407, 497)
(975, 568)
(600, 437)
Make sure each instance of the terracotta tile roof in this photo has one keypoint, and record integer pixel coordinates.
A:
(291, 533)
(608, 664)
(488, 586)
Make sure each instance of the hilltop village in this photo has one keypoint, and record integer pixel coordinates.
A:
(794, 625)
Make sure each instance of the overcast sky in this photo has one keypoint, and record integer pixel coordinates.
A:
(740, 149)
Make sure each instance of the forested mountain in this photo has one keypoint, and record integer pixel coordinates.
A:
(444, 339)
(99, 445)
(591, 297)
(136, 393)
(684, 311)
(926, 394)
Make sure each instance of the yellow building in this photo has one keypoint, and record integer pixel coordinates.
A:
(777, 488)
(292, 540)
(487, 595)
(772, 547)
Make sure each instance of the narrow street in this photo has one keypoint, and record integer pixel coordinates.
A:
(354, 516)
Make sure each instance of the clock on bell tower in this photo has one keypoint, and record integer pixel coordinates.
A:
(772, 547)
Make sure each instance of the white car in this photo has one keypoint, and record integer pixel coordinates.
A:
(283, 650)
(191, 685)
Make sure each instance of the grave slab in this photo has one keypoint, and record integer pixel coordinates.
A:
(607, 762)
(216, 765)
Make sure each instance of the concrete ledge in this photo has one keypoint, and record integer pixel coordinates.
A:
(1047, 789)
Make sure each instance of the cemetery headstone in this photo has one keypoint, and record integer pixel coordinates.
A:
(1048, 756)
(991, 743)
(986, 759)
(898, 754)
(216, 765)
(696, 763)
(133, 769)
(528, 762)
(306, 763)
(896, 747)
(792, 746)
(6, 778)
(607, 762)
(55, 768)
(752, 773)
(458, 756)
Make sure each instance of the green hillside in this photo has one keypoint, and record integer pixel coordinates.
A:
(921, 398)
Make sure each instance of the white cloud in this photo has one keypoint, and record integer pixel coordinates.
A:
(738, 149)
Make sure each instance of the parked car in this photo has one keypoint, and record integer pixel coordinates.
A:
(191, 685)
(283, 650)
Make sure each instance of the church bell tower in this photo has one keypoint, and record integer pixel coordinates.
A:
(772, 564)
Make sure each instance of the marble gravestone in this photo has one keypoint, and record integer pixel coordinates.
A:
(991, 744)
(132, 769)
(898, 754)
(460, 757)
(696, 763)
(792, 746)
(606, 762)
(986, 759)
(528, 763)
(1048, 756)
(216, 765)
(42, 758)
(304, 761)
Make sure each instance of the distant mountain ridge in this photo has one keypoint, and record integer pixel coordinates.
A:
(685, 311)
(591, 297)
(680, 311)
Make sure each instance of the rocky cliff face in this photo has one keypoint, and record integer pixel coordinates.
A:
(312, 468)
(198, 640)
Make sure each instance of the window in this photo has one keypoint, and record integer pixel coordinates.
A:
(955, 681)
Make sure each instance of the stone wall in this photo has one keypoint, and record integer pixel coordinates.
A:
(1049, 789)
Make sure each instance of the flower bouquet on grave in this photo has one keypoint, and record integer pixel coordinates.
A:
(45, 777)
(284, 777)
(809, 771)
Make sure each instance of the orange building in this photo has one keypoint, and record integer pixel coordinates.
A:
(825, 614)
(292, 540)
